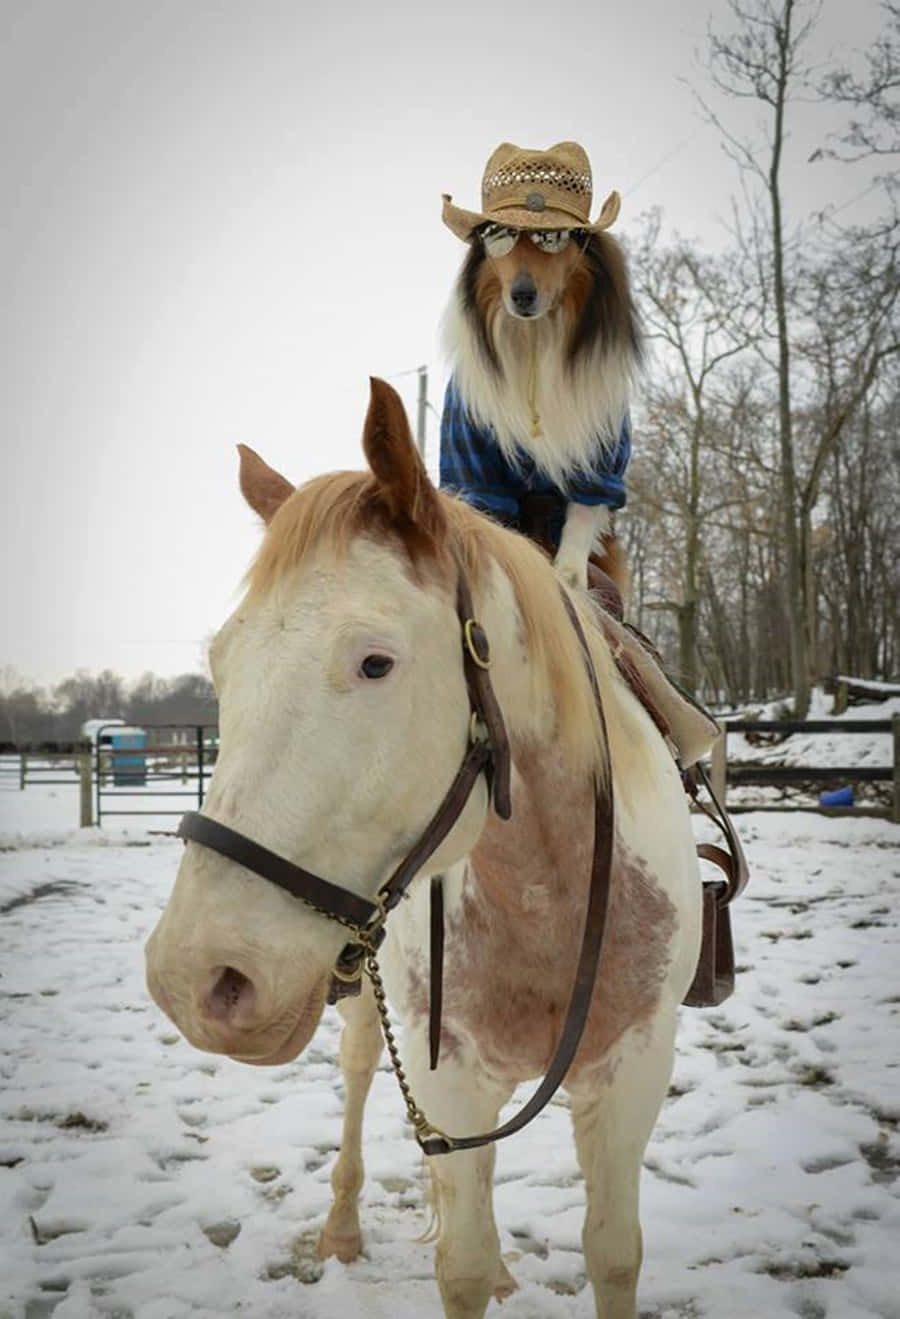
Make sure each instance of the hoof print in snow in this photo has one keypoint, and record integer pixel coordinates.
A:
(222, 1234)
(304, 1263)
(265, 1173)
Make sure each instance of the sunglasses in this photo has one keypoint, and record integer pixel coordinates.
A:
(499, 239)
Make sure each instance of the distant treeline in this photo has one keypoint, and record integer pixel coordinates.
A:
(33, 717)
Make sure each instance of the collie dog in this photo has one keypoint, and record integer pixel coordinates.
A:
(544, 344)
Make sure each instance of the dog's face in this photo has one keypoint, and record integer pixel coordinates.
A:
(532, 282)
(525, 280)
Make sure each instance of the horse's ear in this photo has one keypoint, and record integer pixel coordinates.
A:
(404, 490)
(264, 489)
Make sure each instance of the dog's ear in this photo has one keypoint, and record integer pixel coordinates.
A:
(264, 489)
(402, 489)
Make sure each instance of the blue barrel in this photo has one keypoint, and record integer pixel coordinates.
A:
(837, 797)
(129, 763)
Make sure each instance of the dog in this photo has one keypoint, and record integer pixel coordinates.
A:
(544, 343)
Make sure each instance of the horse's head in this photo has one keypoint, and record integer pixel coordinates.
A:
(344, 717)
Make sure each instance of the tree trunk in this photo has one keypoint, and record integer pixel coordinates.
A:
(796, 613)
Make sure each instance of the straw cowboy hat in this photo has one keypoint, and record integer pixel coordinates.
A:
(527, 189)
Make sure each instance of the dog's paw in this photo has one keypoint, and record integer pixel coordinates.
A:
(573, 574)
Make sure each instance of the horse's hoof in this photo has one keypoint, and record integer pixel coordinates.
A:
(346, 1249)
(505, 1284)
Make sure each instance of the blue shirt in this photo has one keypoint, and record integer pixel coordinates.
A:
(474, 466)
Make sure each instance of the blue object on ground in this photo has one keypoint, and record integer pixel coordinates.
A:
(838, 797)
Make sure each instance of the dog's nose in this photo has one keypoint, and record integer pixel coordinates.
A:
(524, 294)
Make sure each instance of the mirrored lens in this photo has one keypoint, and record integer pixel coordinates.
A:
(498, 240)
(550, 240)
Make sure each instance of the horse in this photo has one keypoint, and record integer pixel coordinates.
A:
(345, 712)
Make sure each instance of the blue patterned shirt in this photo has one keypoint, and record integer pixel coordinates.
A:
(474, 466)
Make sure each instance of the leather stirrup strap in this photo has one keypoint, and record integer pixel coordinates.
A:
(436, 970)
(586, 970)
(733, 862)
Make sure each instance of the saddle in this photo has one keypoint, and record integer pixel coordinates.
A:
(689, 731)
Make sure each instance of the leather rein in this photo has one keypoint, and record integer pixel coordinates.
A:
(487, 752)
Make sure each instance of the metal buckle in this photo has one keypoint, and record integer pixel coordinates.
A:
(480, 657)
(348, 977)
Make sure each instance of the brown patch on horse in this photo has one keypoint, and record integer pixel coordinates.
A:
(264, 489)
(522, 921)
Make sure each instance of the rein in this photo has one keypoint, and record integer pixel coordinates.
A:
(487, 752)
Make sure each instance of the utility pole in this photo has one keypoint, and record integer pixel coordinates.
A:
(422, 409)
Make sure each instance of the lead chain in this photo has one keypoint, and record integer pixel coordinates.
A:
(422, 1127)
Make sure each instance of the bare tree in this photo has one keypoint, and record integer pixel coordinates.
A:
(696, 312)
(849, 302)
(873, 96)
(760, 60)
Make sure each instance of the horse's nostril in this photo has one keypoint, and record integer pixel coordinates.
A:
(232, 993)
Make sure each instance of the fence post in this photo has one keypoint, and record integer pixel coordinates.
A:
(199, 767)
(23, 770)
(718, 765)
(85, 794)
(895, 814)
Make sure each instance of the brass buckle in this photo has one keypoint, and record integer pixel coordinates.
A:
(350, 977)
(482, 660)
(371, 936)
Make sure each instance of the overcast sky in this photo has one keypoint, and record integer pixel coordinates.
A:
(221, 216)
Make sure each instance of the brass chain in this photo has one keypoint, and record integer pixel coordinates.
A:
(423, 1128)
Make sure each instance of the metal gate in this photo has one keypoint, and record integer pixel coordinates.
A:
(130, 769)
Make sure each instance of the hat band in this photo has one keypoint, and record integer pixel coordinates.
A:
(521, 204)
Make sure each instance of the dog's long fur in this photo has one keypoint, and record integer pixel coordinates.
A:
(587, 350)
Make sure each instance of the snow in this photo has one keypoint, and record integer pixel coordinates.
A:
(142, 1179)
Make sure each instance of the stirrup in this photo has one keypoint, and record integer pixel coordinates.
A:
(714, 978)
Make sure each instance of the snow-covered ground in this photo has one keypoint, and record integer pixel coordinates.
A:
(144, 1180)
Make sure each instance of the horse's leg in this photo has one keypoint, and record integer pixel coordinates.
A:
(613, 1119)
(467, 1257)
(361, 1045)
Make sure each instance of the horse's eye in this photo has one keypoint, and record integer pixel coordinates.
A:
(376, 666)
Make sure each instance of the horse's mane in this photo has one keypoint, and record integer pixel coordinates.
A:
(330, 511)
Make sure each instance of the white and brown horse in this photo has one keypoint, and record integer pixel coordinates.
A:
(344, 715)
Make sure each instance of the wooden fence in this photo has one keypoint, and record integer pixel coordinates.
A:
(725, 774)
(189, 762)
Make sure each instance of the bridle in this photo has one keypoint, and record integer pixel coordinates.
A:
(487, 752)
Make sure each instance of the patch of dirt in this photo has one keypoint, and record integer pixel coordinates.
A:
(884, 1165)
(77, 1121)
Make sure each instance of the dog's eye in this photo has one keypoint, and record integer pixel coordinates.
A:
(376, 666)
